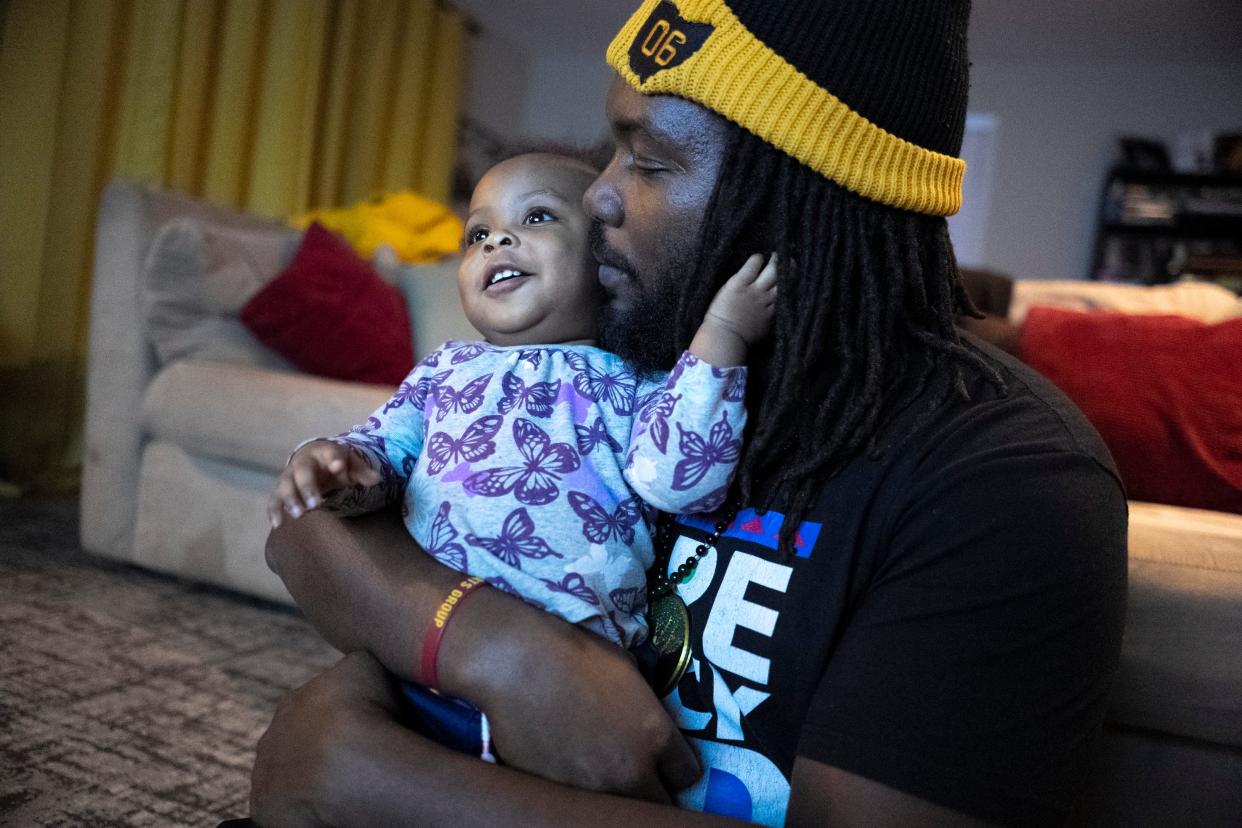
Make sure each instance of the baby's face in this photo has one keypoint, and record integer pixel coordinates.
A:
(527, 276)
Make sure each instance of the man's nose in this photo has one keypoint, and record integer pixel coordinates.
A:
(602, 202)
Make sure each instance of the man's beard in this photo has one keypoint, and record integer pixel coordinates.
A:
(644, 332)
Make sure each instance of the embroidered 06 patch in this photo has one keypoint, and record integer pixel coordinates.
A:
(666, 40)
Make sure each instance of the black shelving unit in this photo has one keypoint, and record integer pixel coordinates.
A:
(1157, 227)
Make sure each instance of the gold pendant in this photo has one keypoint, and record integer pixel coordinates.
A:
(669, 623)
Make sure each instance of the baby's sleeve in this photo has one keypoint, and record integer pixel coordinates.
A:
(390, 441)
(687, 438)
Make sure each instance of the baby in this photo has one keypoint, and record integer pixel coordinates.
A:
(532, 458)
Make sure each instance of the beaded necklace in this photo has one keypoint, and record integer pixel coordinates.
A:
(668, 619)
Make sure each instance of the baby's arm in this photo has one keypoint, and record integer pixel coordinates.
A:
(316, 475)
(361, 470)
(739, 315)
(687, 442)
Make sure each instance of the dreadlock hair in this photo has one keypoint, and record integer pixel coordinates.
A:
(865, 315)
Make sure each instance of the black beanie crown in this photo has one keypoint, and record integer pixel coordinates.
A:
(869, 93)
(901, 64)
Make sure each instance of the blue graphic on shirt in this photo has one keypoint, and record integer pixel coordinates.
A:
(727, 680)
(750, 526)
(726, 795)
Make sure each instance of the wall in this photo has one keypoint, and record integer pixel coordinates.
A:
(1058, 125)
(1063, 78)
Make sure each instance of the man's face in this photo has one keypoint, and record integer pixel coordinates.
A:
(648, 206)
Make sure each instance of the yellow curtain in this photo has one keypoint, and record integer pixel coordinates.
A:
(270, 106)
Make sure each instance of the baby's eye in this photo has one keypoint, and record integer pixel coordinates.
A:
(476, 235)
(539, 216)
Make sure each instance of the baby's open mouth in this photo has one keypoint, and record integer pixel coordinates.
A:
(506, 275)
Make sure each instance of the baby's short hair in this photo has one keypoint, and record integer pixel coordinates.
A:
(595, 158)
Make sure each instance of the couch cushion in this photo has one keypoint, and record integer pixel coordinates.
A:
(1195, 300)
(434, 305)
(250, 416)
(1164, 392)
(198, 274)
(329, 313)
(1181, 661)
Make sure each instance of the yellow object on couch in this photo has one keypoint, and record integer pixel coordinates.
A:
(418, 229)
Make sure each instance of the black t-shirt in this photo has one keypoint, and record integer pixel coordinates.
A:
(949, 625)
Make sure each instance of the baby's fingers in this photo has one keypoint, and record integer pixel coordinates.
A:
(766, 280)
(284, 500)
(306, 483)
(358, 471)
(749, 271)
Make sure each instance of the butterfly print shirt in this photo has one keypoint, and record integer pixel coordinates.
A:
(539, 468)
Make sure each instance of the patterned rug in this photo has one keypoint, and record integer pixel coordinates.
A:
(128, 698)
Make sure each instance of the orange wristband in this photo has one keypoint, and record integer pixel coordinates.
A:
(435, 633)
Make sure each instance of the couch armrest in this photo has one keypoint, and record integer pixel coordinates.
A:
(121, 361)
(251, 416)
(120, 366)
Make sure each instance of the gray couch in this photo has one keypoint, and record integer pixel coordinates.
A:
(189, 421)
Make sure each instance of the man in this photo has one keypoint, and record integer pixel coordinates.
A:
(911, 611)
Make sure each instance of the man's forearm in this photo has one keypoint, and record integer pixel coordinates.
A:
(362, 582)
(457, 791)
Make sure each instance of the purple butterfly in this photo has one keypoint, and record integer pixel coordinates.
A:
(687, 359)
(467, 351)
(432, 360)
(467, 400)
(442, 544)
(646, 402)
(659, 413)
(598, 525)
(630, 600)
(735, 386)
(708, 503)
(537, 399)
(417, 392)
(575, 585)
(700, 455)
(534, 482)
(617, 389)
(517, 540)
(589, 438)
(532, 355)
(364, 435)
(475, 444)
(502, 585)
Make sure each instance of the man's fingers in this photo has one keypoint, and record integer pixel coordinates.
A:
(679, 767)
(651, 790)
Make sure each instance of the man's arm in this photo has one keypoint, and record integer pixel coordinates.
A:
(336, 753)
(562, 703)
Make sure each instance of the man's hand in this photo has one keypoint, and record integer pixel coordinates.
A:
(315, 472)
(739, 316)
(563, 703)
(314, 764)
(567, 706)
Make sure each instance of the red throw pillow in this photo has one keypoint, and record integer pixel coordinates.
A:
(1165, 393)
(329, 313)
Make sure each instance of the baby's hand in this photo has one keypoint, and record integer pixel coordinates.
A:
(315, 471)
(740, 315)
(745, 303)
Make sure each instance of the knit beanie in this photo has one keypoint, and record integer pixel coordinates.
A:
(868, 93)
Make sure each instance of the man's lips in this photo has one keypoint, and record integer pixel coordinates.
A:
(612, 277)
